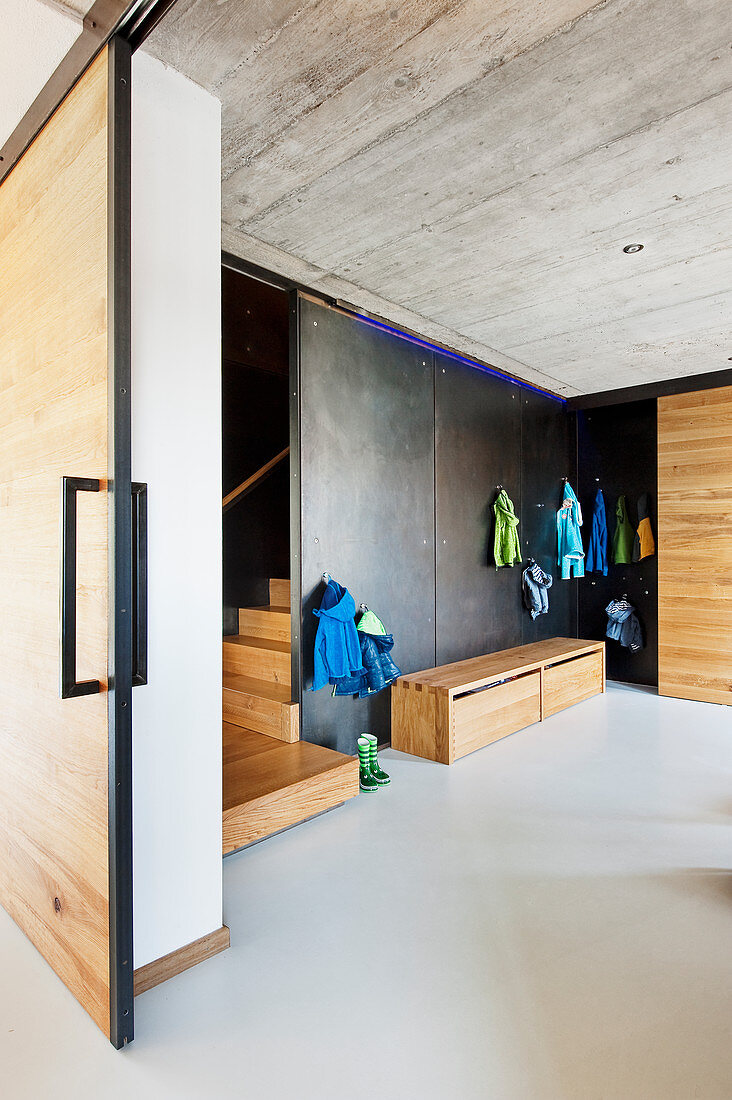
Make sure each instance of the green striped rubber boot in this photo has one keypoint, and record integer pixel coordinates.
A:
(378, 773)
(366, 780)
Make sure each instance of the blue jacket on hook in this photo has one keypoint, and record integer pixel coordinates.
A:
(337, 649)
(571, 553)
(378, 669)
(597, 548)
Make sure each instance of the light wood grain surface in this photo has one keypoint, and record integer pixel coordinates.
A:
(53, 422)
(695, 546)
(447, 712)
(270, 785)
(571, 682)
(159, 970)
(477, 671)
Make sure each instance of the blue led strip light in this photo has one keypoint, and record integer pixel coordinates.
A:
(453, 355)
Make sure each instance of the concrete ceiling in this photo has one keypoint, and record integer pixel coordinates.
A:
(472, 170)
(36, 34)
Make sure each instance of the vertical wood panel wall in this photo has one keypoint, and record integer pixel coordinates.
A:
(695, 545)
(53, 422)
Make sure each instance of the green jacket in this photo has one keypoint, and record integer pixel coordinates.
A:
(624, 535)
(506, 543)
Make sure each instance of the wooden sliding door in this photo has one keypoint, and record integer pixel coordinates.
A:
(695, 545)
(65, 559)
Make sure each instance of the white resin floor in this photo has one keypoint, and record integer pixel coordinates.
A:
(550, 918)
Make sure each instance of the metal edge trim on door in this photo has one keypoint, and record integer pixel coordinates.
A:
(121, 957)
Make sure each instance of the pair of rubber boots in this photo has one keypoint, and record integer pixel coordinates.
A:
(371, 776)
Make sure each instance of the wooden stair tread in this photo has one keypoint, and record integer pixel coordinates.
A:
(257, 643)
(273, 608)
(264, 689)
(256, 765)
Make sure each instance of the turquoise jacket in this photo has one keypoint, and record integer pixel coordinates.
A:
(571, 553)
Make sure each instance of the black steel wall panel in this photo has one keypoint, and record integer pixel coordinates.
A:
(617, 444)
(367, 484)
(477, 447)
(548, 454)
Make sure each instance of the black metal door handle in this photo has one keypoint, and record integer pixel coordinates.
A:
(70, 687)
(139, 583)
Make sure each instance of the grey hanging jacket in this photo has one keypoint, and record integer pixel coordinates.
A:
(623, 625)
(535, 583)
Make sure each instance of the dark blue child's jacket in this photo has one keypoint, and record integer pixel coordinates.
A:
(597, 550)
(337, 649)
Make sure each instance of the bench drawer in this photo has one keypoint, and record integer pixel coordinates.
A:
(494, 712)
(572, 681)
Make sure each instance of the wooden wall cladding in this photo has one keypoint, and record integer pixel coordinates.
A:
(695, 545)
(54, 873)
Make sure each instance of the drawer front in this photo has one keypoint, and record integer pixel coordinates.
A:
(571, 682)
(489, 715)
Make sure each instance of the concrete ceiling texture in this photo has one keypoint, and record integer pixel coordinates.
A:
(473, 170)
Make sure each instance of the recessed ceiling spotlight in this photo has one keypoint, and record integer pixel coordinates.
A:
(630, 248)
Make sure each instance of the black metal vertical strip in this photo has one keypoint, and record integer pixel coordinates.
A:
(139, 583)
(295, 501)
(121, 960)
(70, 688)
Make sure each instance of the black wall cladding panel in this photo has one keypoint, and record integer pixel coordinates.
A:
(548, 454)
(257, 528)
(617, 444)
(477, 447)
(367, 482)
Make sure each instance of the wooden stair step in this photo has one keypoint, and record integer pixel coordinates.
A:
(270, 785)
(279, 592)
(261, 706)
(271, 622)
(261, 658)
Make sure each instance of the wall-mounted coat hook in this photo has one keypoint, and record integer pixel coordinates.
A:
(326, 578)
(362, 607)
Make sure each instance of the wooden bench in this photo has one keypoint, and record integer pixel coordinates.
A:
(445, 713)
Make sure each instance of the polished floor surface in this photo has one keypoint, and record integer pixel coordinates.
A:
(550, 918)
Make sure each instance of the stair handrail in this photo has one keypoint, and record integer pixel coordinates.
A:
(249, 483)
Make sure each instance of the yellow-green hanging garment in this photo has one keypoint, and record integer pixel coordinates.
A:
(506, 543)
(624, 535)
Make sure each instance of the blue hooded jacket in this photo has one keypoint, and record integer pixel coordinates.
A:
(378, 669)
(571, 553)
(337, 649)
(597, 549)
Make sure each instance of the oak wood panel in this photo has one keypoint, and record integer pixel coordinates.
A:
(475, 671)
(265, 622)
(488, 715)
(695, 545)
(420, 721)
(438, 714)
(257, 657)
(159, 970)
(53, 422)
(571, 682)
(269, 785)
(261, 706)
(279, 592)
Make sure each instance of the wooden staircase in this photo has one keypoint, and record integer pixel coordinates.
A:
(271, 779)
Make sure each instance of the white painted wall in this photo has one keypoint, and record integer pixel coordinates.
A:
(176, 449)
